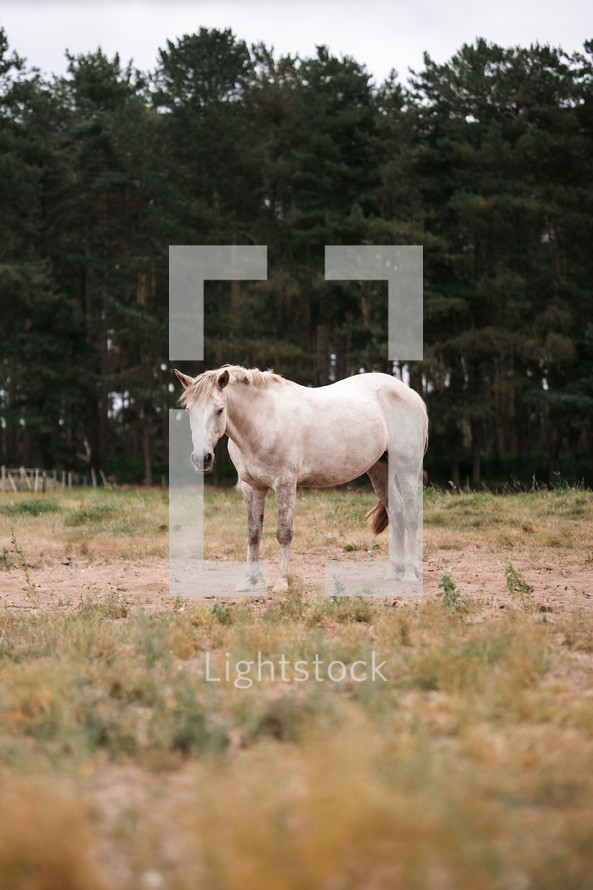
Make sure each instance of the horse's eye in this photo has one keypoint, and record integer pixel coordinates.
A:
(219, 412)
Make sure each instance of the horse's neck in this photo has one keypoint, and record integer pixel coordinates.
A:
(244, 403)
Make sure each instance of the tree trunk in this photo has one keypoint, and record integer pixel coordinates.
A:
(103, 410)
(147, 437)
(322, 354)
(476, 447)
(342, 357)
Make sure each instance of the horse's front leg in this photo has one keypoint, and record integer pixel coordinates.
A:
(286, 499)
(255, 499)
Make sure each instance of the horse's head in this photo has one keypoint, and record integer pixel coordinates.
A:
(206, 406)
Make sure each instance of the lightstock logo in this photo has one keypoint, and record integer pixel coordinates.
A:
(189, 268)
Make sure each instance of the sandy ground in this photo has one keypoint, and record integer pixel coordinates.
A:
(478, 572)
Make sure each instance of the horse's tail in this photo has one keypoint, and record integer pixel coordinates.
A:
(377, 518)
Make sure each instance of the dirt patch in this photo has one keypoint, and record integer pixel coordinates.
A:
(479, 574)
(60, 586)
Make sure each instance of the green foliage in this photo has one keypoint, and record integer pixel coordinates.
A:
(517, 586)
(31, 507)
(449, 591)
(483, 159)
(89, 514)
(6, 558)
(222, 613)
(20, 562)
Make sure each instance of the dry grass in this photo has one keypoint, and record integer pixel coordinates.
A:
(121, 524)
(46, 842)
(469, 767)
(544, 525)
(97, 524)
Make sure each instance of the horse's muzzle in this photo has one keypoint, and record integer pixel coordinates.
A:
(203, 464)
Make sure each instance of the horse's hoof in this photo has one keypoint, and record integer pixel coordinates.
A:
(249, 585)
(410, 575)
(394, 574)
(281, 586)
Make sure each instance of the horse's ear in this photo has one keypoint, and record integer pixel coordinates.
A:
(223, 379)
(186, 381)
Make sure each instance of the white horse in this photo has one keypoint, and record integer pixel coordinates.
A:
(282, 435)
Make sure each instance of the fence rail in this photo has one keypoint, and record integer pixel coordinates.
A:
(37, 479)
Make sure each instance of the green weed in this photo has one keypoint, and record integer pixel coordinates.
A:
(222, 613)
(517, 586)
(449, 591)
(20, 562)
(6, 558)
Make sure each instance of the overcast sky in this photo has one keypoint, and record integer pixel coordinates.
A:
(382, 34)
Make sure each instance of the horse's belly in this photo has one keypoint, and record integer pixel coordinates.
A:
(335, 459)
(315, 449)
(330, 476)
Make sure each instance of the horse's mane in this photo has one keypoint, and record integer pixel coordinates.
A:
(203, 386)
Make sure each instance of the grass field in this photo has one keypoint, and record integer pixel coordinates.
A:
(124, 763)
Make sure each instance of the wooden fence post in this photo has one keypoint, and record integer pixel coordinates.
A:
(25, 478)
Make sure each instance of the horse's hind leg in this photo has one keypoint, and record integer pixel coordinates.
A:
(255, 499)
(392, 501)
(407, 434)
(407, 484)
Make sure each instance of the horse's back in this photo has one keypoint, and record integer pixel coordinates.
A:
(373, 401)
(388, 390)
